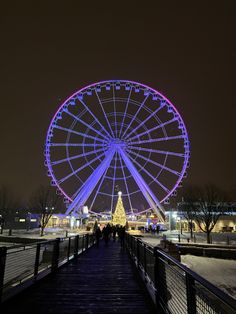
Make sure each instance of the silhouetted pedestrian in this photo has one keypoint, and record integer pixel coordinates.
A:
(106, 234)
(121, 233)
(98, 235)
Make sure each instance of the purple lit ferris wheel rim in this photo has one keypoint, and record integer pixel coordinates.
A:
(115, 81)
(133, 83)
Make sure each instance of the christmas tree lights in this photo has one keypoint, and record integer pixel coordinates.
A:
(119, 216)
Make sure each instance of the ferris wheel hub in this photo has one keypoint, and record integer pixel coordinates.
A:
(117, 144)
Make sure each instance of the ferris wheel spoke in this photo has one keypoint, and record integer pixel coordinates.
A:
(95, 118)
(74, 145)
(78, 133)
(113, 183)
(80, 168)
(159, 139)
(101, 105)
(156, 163)
(157, 151)
(126, 185)
(81, 187)
(126, 108)
(56, 162)
(144, 188)
(154, 128)
(144, 121)
(150, 175)
(89, 126)
(98, 189)
(91, 183)
(134, 117)
(114, 106)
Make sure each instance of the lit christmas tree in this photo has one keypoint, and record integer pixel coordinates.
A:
(119, 216)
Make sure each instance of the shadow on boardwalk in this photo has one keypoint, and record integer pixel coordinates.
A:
(100, 280)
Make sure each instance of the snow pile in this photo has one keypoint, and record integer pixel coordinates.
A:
(220, 272)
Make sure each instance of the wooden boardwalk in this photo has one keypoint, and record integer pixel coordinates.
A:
(101, 280)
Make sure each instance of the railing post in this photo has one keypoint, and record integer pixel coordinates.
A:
(145, 258)
(55, 257)
(68, 249)
(76, 246)
(36, 264)
(83, 242)
(3, 255)
(156, 280)
(87, 241)
(138, 252)
(191, 294)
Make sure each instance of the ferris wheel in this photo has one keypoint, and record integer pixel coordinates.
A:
(115, 136)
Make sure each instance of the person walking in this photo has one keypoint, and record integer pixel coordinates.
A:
(106, 234)
(98, 235)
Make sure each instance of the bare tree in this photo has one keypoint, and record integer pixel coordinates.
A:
(8, 204)
(45, 201)
(205, 205)
(212, 204)
(187, 206)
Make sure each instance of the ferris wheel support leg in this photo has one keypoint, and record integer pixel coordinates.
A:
(90, 184)
(147, 192)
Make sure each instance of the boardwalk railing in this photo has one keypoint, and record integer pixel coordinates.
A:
(174, 288)
(23, 265)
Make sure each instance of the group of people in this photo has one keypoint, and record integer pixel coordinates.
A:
(109, 232)
(153, 229)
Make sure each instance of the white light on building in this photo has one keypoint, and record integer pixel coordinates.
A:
(85, 210)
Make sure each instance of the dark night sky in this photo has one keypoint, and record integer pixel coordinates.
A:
(184, 49)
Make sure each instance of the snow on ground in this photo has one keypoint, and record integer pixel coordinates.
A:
(218, 238)
(50, 233)
(222, 273)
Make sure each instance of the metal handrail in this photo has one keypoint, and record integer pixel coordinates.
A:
(190, 276)
(218, 292)
(44, 257)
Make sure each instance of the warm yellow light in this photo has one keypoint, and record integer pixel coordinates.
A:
(119, 216)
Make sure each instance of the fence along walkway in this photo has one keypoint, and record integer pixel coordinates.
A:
(101, 280)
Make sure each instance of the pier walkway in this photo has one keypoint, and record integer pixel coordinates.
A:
(100, 280)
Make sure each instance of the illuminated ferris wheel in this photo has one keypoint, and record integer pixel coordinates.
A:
(115, 136)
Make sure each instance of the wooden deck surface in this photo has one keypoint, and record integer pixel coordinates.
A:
(101, 280)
